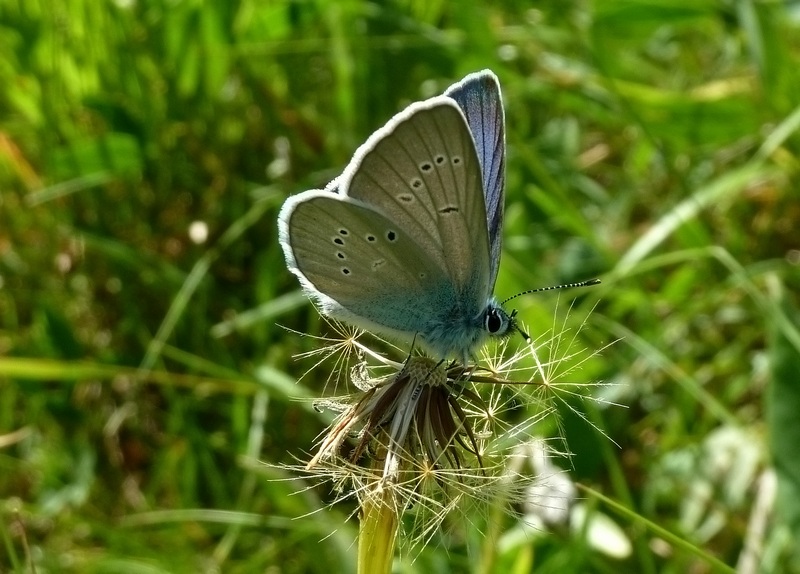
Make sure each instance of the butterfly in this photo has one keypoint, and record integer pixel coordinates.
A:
(406, 242)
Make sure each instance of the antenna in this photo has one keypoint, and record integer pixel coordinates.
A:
(553, 288)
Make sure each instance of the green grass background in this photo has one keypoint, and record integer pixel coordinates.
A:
(144, 376)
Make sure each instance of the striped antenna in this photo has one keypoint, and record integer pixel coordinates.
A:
(554, 287)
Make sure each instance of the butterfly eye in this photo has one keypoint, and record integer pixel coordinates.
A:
(493, 321)
(496, 322)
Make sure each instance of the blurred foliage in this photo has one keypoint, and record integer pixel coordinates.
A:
(146, 146)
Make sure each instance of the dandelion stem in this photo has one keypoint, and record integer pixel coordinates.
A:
(378, 531)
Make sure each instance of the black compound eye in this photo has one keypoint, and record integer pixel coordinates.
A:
(494, 322)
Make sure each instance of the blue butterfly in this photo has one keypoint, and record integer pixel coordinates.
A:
(406, 242)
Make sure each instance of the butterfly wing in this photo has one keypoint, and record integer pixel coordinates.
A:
(358, 265)
(478, 96)
(422, 172)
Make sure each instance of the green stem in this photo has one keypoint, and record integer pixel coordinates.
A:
(377, 532)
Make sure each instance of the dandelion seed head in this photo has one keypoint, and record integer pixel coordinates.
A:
(430, 440)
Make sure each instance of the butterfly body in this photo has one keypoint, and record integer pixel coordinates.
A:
(401, 243)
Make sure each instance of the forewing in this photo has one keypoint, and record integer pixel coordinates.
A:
(478, 96)
(421, 172)
(359, 265)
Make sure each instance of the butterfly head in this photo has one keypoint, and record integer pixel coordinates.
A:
(499, 323)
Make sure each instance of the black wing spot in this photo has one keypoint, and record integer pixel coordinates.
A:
(456, 160)
(343, 231)
(391, 236)
(338, 241)
(340, 255)
(406, 198)
(439, 159)
(345, 271)
(426, 166)
(371, 238)
(449, 209)
(416, 183)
